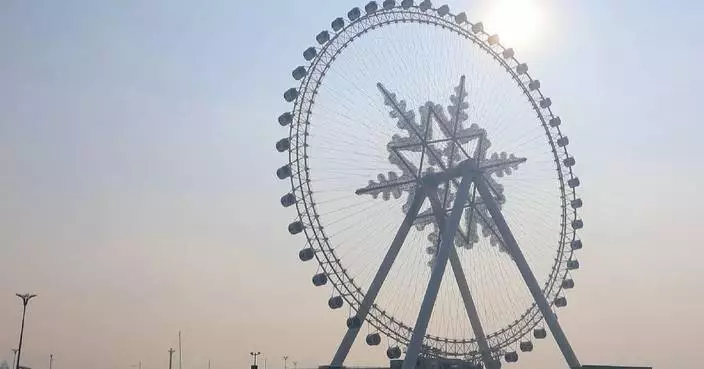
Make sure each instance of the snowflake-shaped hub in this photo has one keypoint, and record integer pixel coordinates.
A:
(421, 150)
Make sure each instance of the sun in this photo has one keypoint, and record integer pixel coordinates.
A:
(517, 22)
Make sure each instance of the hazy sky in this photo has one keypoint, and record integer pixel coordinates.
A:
(138, 194)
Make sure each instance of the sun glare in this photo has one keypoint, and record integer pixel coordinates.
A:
(517, 22)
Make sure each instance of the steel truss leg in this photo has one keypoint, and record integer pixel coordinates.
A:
(446, 245)
(526, 273)
(379, 278)
(461, 279)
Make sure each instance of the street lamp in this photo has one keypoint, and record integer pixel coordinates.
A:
(285, 357)
(14, 358)
(25, 300)
(254, 355)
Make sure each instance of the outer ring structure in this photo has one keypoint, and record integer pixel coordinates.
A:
(303, 97)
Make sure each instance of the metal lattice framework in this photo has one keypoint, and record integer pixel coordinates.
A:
(320, 59)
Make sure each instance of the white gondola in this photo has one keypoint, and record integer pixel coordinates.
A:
(443, 10)
(388, 4)
(478, 27)
(371, 7)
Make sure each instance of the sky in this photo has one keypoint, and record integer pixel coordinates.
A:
(138, 195)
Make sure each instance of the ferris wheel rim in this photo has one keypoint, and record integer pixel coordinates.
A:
(300, 180)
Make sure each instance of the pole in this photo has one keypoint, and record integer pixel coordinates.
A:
(180, 359)
(51, 361)
(461, 279)
(25, 300)
(447, 238)
(171, 356)
(285, 358)
(254, 356)
(14, 358)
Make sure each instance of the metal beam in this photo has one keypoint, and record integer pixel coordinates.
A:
(461, 279)
(379, 278)
(446, 244)
(527, 274)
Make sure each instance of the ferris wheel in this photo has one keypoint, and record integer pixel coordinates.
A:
(416, 139)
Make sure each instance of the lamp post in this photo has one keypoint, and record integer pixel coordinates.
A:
(25, 300)
(171, 356)
(51, 361)
(254, 356)
(14, 358)
(285, 357)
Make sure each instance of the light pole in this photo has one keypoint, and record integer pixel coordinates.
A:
(14, 358)
(171, 356)
(254, 355)
(51, 361)
(25, 300)
(285, 357)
